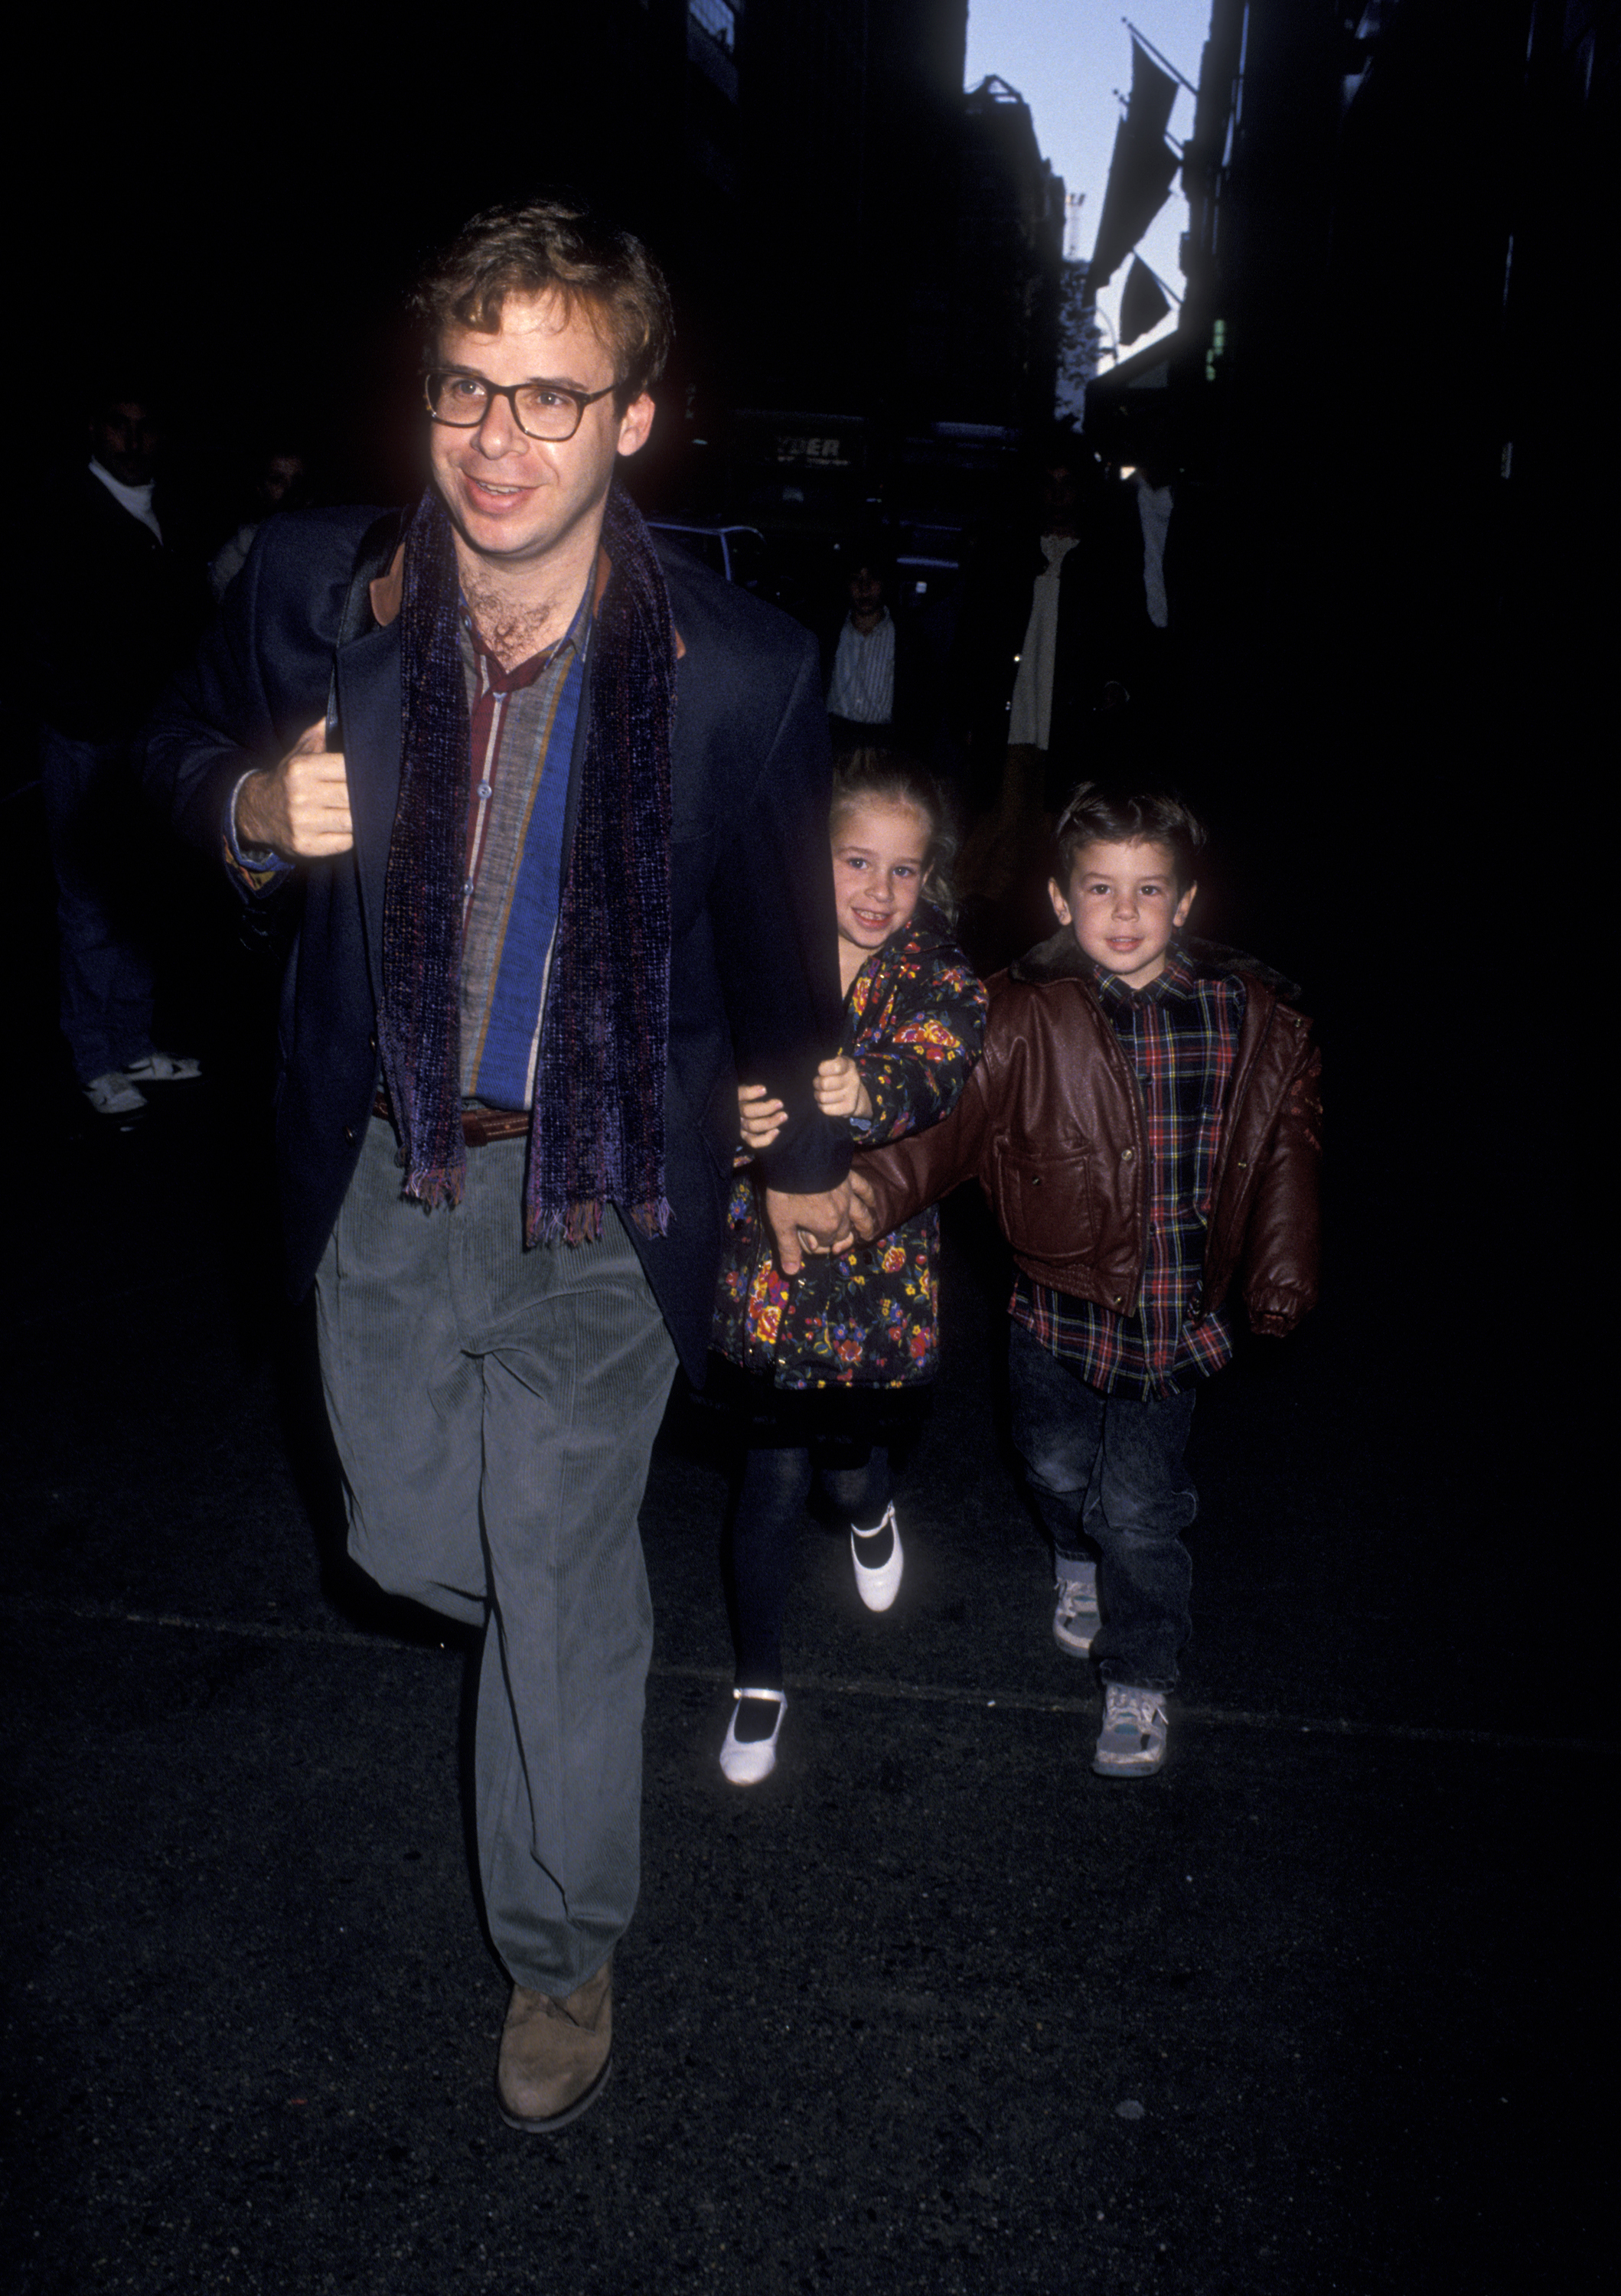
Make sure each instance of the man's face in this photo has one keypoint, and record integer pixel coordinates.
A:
(124, 440)
(1123, 905)
(283, 475)
(512, 499)
(866, 593)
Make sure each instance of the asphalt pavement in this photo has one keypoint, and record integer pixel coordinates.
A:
(934, 2008)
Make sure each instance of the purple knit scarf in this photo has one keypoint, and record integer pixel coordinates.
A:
(596, 1134)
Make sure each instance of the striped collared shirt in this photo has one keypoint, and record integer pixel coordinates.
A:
(522, 722)
(863, 684)
(1179, 1036)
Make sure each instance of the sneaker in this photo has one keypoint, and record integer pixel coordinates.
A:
(878, 1583)
(114, 1094)
(162, 1067)
(746, 1760)
(1130, 1744)
(1075, 1621)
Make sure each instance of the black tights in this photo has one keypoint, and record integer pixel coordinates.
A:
(765, 1527)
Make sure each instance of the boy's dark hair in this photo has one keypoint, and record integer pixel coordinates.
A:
(1098, 814)
(893, 777)
(539, 246)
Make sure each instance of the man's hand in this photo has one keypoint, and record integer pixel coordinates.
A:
(759, 1118)
(809, 1226)
(863, 1205)
(300, 806)
(838, 1088)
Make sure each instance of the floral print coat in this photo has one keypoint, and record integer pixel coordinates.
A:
(914, 1021)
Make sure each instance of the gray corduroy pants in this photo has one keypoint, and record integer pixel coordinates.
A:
(495, 1412)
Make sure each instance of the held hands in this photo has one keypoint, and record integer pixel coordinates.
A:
(839, 1089)
(863, 1205)
(301, 805)
(806, 1227)
(811, 1226)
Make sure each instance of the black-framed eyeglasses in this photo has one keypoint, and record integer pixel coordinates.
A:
(552, 411)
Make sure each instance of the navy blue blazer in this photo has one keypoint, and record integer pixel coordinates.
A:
(754, 982)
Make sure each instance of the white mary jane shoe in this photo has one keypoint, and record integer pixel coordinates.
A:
(746, 1761)
(878, 1587)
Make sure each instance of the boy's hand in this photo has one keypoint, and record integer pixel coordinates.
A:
(839, 1090)
(809, 1226)
(863, 1205)
(759, 1119)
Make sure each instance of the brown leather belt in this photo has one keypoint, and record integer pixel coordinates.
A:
(480, 1126)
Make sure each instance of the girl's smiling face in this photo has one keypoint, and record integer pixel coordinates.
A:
(881, 858)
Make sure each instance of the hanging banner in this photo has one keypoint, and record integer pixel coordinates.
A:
(1154, 93)
(1140, 172)
(1142, 303)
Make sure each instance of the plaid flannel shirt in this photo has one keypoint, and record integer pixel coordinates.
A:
(1179, 1035)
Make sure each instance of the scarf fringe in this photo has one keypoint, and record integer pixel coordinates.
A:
(444, 1184)
(582, 1223)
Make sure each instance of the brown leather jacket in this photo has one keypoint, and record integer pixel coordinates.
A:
(1051, 1127)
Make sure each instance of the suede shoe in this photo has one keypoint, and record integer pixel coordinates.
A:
(555, 2055)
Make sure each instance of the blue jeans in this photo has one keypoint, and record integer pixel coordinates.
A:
(1107, 1471)
(106, 974)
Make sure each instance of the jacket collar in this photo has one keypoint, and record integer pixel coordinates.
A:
(387, 592)
(1061, 958)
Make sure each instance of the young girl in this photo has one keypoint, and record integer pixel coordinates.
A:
(838, 1359)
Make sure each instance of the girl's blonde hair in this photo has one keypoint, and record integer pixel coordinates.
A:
(893, 777)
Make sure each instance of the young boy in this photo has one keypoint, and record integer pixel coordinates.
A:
(1144, 1123)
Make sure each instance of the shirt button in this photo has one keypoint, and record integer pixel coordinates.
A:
(1127, 1155)
(485, 789)
(468, 887)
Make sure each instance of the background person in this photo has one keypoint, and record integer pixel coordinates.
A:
(106, 537)
(881, 686)
(281, 483)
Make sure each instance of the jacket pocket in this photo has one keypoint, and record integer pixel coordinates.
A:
(1046, 1204)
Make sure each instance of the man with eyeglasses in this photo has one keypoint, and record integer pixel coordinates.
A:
(555, 808)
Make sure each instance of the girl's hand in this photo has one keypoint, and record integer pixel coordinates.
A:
(839, 1090)
(759, 1119)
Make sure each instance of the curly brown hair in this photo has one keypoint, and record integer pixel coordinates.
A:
(553, 246)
